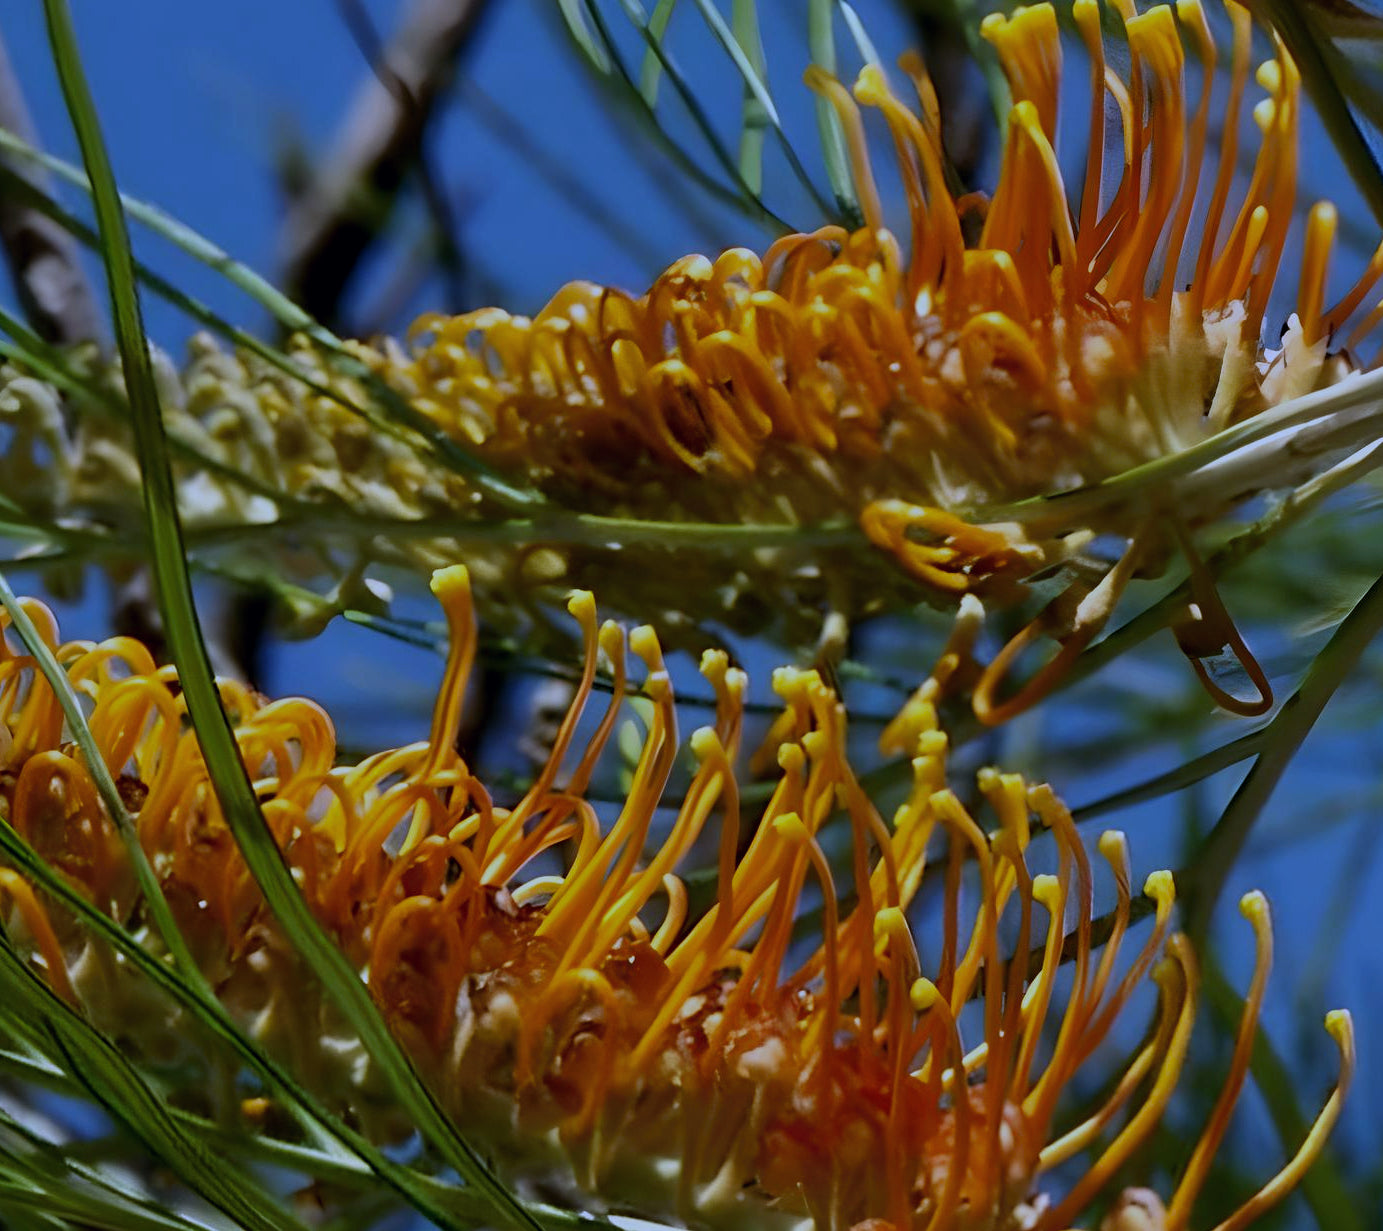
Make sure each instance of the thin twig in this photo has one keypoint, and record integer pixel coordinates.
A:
(336, 218)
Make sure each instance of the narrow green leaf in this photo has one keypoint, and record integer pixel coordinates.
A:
(1281, 739)
(59, 1184)
(231, 781)
(573, 15)
(758, 112)
(821, 39)
(1177, 779)
(113, 1081)
(863, 43)
(652, 71)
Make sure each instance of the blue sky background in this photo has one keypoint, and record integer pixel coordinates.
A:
(196, 99)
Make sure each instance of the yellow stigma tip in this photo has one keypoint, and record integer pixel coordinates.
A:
(644, 642)
(704, 742)
(992, 27)
(1254, 906)
(611, 638)
(1113, 845)
(1025, 114)
(1160, 886)
(890, 920)
(1166, 972)
(790, 757)
(924, 995)
(581, 604)
(1046, 889)
(454, 579)
(1269, 76)
(714, 664)
(1340, 1026)
(870, 86)
(789, 827)
(1155, 24)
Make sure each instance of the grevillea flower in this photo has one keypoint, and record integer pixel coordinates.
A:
(739, 1066)
(926, 390)
(290, 479)
(1046, 339)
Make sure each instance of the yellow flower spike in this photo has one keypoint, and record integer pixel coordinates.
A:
(714, 1069)
(1029, 47)
(1321, 224)
(1050, 893)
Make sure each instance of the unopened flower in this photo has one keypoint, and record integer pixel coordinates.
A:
(737, 1066)
(290, 480)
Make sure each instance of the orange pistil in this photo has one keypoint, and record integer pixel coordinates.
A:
(706, 1069)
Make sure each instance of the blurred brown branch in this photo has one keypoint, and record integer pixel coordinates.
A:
(53, 292)
(966, 118)
(340, 212)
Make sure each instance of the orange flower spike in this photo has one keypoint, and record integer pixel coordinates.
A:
(1029, 48)
(1161, 888)
(856, 144)
(927, 999)
(764, 1089)
(904, 969)
(938, 247)
(581, 605)
(1113, 847)
(1153, 39)
(1040, 1102)
(1050, 893)
(1193, 19)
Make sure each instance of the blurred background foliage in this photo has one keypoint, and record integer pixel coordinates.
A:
(376, 160)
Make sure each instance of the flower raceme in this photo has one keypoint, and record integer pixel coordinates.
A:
(743, 1065)
(930, 385)
(930, 389)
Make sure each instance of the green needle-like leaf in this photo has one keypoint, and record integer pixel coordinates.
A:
(1281, 739)
(94, 1060)
(217, 739)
